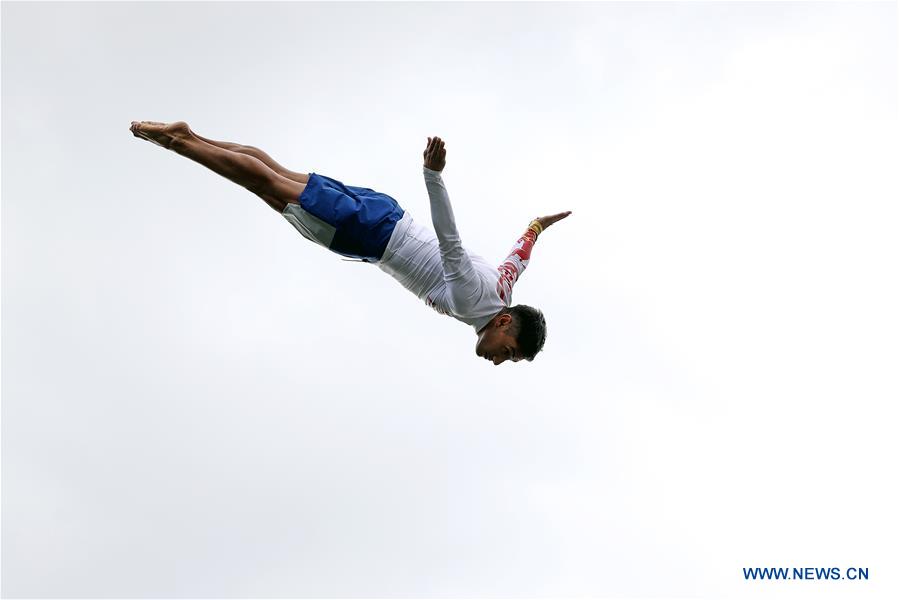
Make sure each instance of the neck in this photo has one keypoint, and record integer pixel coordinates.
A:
(489, 323)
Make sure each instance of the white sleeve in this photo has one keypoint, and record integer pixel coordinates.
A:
(462, 281)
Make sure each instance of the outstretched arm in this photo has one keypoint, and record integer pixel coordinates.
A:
(461, 279)
(517, 261)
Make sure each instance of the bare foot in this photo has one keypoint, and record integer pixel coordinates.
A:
(162, 134)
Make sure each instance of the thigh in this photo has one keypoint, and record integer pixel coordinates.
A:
(288, 189)
(298, 177)
(351, 221)
(279, 191)
(271, 162)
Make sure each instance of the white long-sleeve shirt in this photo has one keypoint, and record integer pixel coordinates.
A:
(439, 270)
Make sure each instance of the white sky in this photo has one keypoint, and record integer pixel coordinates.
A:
(198, 402)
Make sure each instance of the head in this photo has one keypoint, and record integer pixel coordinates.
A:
(516, 333)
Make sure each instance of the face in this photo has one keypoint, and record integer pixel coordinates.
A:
(495, 342)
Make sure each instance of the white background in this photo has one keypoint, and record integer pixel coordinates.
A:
(196, 401)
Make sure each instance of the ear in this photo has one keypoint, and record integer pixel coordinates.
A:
(503, 320)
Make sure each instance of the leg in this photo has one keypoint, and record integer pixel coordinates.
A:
(256, 152)
(242, 169)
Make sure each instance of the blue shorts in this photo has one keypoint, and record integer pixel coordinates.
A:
(352, 221)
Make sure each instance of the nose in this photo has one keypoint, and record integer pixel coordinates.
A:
(498, 360)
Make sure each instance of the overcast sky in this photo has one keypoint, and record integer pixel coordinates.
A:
(199, 402)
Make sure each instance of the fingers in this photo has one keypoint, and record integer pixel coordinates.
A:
(435, 144)
(549, 220)
(435, 153)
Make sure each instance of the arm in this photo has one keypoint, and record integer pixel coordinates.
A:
(459, 274)
(517, 261)
(515, 264)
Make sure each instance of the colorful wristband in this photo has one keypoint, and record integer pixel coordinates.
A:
(536, 227)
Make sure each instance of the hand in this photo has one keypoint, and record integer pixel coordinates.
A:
(549, 220)
(435, 154)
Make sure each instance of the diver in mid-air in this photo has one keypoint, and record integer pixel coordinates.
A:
(363, 224)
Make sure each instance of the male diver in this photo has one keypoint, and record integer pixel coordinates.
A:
(366, 225)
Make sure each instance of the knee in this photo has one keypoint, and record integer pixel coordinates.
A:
(265, 183)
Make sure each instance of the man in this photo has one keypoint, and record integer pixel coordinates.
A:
(366, 225)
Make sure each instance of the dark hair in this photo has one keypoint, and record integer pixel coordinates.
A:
(529, 328)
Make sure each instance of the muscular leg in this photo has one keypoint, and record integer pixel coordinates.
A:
(257, 153)
(245, 170)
